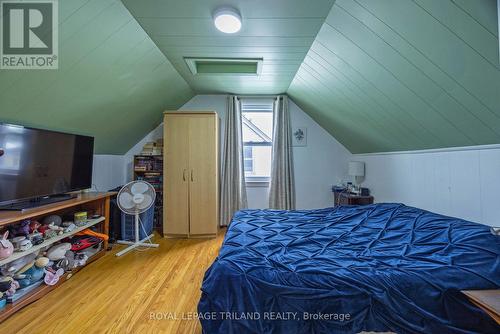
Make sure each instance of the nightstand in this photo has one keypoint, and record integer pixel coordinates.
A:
(351, 199)
(487, 300)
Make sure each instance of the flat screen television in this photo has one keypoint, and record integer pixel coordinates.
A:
(37, 163)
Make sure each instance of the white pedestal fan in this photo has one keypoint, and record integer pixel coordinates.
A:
(135, 198)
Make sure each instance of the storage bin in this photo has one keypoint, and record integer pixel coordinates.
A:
(127, 224)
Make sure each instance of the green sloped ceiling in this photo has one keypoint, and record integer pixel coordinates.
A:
(113, 82)
(279, 31)
(389, 75)
(379, 75)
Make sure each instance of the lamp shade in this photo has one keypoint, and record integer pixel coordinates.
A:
(356, 168)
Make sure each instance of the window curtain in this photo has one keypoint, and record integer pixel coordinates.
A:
(233, 190)
(282, 190)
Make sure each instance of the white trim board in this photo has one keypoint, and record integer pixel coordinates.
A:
(461, 182)
(435, 150)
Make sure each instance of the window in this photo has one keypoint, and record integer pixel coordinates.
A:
(257, 127)
(248, 159)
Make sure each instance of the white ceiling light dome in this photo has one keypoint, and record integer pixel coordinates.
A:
(227, 20)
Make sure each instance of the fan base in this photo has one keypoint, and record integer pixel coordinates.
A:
(134, 244)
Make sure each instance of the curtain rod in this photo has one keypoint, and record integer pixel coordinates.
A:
(258, 96)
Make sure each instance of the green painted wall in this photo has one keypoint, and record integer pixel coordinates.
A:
(389, 75)
(113, 82)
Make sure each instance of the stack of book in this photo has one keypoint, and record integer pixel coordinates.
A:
(154, 178)
(143, 164)
(153, 148)
(158, 163)
(149, 167)
(159, 145)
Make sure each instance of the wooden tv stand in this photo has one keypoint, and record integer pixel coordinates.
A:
(93, 203)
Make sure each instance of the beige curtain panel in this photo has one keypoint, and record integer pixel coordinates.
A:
(233, 190)
(282, 191)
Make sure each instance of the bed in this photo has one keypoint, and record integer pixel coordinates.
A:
(383, 267)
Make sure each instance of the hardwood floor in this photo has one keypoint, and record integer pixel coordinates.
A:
(141, 292)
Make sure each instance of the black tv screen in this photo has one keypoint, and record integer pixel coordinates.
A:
(37, 163)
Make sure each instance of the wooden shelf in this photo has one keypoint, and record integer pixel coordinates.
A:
(148, 155)
(9, 217)
(155, 177)
(48, 242)
(96, 203)
(42, 290)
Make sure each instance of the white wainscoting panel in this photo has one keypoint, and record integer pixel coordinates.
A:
(459, 182)
(108, 172)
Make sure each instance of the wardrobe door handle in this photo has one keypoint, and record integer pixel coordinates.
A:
(184, 175)
(192, 175)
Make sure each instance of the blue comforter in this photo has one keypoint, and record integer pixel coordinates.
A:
(384, 267)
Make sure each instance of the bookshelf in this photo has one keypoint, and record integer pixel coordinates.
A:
(93, 203)
(149, 168)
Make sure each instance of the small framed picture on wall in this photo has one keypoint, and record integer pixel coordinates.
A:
(299, 136)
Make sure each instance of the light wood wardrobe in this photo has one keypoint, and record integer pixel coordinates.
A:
(190, 178)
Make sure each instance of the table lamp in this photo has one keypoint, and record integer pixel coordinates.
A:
(357, 171)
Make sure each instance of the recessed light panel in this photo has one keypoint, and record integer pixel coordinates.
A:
(224, 66)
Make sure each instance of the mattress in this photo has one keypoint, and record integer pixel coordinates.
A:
(383, 267)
